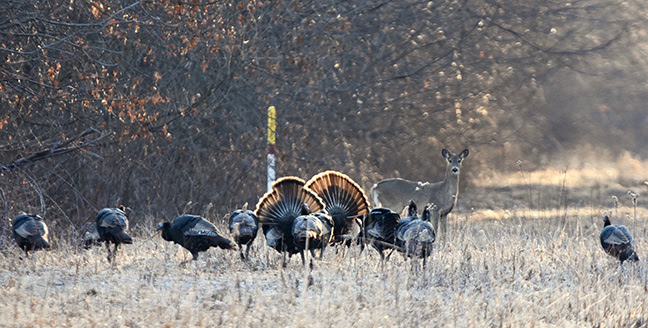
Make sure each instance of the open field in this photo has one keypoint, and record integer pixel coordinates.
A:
(493, 273)
(520, 265)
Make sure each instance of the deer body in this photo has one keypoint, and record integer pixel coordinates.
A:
(396, 193)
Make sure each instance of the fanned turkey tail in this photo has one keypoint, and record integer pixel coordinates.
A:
(279, 207)
(345, 202)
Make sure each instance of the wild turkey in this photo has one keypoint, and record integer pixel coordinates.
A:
(243, 226)
(380, 230)
(91, 238)
(312, 231)
(30, 232)
(411, 214)
(278, 209)
(112, 224)
(345, 202)
(415, 236)
(194, 234)
(617, 241)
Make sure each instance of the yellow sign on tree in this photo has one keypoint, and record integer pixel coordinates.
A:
(272, 125)
(272, 129)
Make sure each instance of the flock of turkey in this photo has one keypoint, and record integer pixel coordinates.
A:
(296, 217)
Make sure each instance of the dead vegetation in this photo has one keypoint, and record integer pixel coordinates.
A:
(512, 272)
(521, 252)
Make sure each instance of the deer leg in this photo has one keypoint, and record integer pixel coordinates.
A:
(435, 221)
(444, 227)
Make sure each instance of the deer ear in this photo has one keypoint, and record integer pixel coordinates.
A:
(445, 153)
(464, 153)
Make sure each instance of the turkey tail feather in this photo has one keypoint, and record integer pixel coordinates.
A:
(343, 197)
(123, 237)
(282, 204)
(41, 243)
(223, 243)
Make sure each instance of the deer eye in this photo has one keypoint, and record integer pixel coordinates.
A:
(459, 161)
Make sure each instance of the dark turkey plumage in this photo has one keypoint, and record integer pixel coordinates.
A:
(312, 231)
(243, 226)
(380, 229)
(91, 238)
(412, 214)
(30, 232)
(112, 224)
(278, 209)
(344, 201)
(617, 241)
(194, 234)
(415, 236)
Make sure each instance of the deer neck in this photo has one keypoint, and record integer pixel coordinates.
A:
(450, 184)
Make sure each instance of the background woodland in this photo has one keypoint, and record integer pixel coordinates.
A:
(161, 105)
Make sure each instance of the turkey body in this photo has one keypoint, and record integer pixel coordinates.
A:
(616, 240)
(415, 236)
(30, 232)
(112, 224)
(380, 230)
(243, 226)
(311, 232)
(194, 234)
(278, 210)
(91, 238)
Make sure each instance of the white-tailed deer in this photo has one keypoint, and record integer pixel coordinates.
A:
(396, 193)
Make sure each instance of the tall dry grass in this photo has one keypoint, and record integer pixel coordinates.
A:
(527, 255)
(512, 273)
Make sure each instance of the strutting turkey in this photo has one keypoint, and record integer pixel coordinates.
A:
(278, 209)
(312, 231)
(194, 234)
(379, 230)
(30, 232)
(415, 236)
(112, 224)
(617, 241)
(243, 226)
(344, 201)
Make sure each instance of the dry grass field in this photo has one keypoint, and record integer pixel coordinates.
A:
(521, 257)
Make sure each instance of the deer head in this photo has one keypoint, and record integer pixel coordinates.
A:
(454, 160)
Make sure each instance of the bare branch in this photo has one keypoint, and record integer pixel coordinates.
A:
(59, 148)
